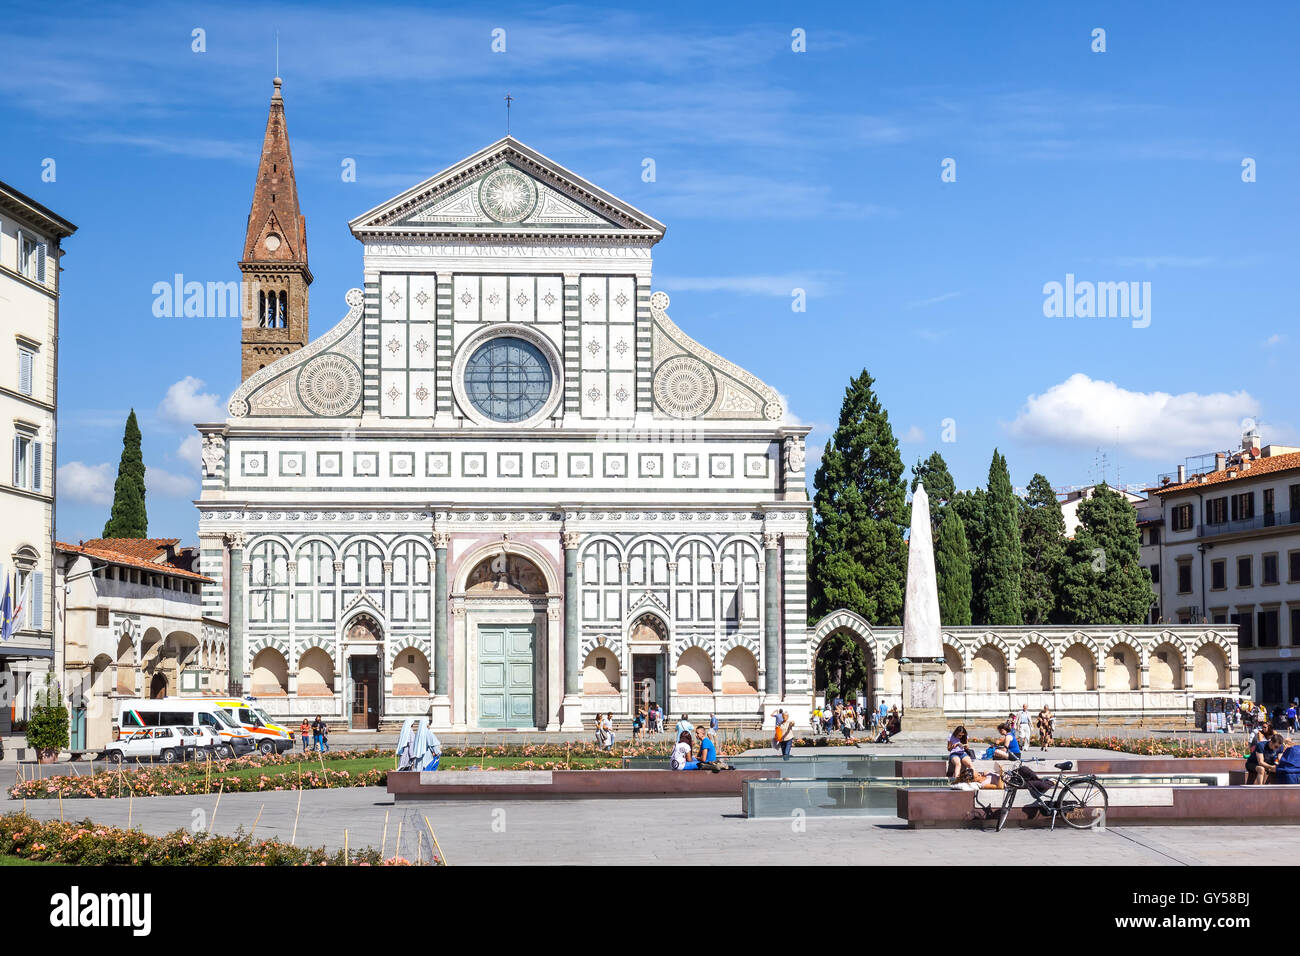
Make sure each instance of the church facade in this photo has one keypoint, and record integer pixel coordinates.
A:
(506, 489)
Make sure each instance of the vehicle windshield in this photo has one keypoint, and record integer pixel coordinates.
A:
(225, 718)
(261, 715)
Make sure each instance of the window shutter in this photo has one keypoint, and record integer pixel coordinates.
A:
(35, 618)
(37, 448)
(25, 360)
(40, 262)
(17, 482)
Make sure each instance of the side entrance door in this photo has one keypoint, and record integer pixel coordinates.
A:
(365, 693)
(505, 676)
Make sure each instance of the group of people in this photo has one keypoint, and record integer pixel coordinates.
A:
(647, 720)
(1273, 758)
(840, 716)
(695, 749)
(315, 733)
(605, 731)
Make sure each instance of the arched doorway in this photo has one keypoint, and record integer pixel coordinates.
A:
(506, 604)
(843, 665)
(648, 649)
(364, 647)
(158, 686)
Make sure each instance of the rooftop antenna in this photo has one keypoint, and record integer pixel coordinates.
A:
(509, 99)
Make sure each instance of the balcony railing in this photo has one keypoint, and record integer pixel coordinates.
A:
(1272, 519)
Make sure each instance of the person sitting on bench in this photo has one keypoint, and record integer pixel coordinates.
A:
(1288, 764)
(681, 756)
(972, 779)
(1263, 759)
(959, 755)
(707, 757)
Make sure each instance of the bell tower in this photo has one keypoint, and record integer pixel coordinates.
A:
(274, 266)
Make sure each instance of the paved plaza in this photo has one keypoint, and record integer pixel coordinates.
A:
(666, 831)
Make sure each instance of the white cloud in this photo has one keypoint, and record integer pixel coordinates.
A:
(184, 404)
(164, 484)
(88, 484)
(1277, 338)
(933, 301)
(191, 451)
(913, 436)
(1087, 412)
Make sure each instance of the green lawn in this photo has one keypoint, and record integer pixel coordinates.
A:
(19, 861)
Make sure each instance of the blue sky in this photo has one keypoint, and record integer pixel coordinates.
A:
(775, 170)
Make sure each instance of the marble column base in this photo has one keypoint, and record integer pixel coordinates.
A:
(440, 713)
(571, 709)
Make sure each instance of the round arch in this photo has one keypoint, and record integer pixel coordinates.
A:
(538, 558)
(601, 673)
(1166, 665)
(739, 671)
(1123, 666)
(270, 674)
(410, 673)
(1210, 670)
(1078, 668)
(315, 673)
(694, 671)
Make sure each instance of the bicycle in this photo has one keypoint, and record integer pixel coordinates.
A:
(1081, 801)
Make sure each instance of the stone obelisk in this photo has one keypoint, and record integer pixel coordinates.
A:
(922, 662)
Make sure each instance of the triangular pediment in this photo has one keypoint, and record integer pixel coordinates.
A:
(507, 188)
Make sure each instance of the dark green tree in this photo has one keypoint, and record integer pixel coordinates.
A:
(938, 482)
(952, 568)
(841, 664)
(1042, 546)
(858, 560)
(971, 507)
(998, 580)
(129, 518)
(1104, 581)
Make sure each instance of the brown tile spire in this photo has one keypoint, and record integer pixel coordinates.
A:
(274, 264)
(275, 198)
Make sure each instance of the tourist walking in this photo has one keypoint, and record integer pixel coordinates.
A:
(324, 737)
(787, 736)
(779, 718)
(316, 726)
(685, 726)
(1046, 727)
(1024, 725)
(306, 734)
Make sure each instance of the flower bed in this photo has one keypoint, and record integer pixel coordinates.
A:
(1160, 746)
(90, 844)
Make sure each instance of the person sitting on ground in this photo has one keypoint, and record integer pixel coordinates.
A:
(959, 756)
(1262, 760)
(1288, 763)
(972, 779)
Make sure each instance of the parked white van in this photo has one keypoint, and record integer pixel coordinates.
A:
(133, 715)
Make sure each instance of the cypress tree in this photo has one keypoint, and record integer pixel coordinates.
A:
(129, 518)
(1042, 544)
(971, 507)
(952, 568)
(933, 472)
(999, 579)
(858, 559)
(1104, 581)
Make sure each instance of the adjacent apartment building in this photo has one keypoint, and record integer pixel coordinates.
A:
(1228, 552)
(31, 239)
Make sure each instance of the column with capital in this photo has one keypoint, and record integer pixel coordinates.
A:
(238, 586)
(440, 711)
(572, 703)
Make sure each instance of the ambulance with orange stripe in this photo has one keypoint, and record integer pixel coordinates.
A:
(268, 736)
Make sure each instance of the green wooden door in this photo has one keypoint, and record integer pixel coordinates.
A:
(505, 676)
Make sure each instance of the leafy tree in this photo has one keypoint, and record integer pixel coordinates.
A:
(1104, 581)
(971, 507)
(952, 568)
(129, 518)
(47, 727)
(1042, 545)
(858, 559)
(933, 472)
(998, 580)
(841, 666)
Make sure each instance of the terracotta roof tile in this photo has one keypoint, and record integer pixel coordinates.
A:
(100, 548)
(1258, 467)
(144, 549)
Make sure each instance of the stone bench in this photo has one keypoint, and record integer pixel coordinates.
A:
(567, 784)
(1129, 806)
(1047, 766)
